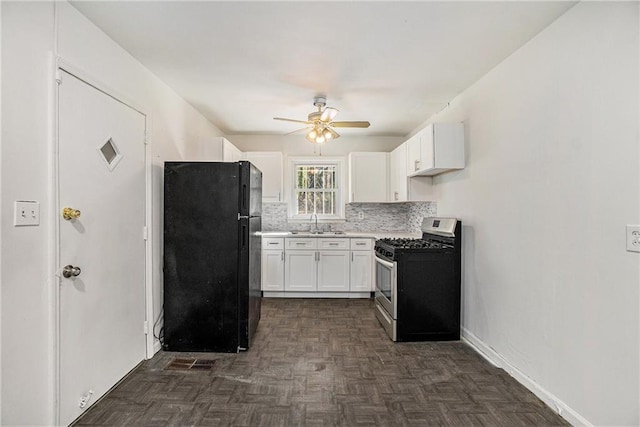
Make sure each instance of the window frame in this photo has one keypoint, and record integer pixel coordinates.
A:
(293, 163)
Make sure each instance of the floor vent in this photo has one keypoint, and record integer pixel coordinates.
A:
(190, 364)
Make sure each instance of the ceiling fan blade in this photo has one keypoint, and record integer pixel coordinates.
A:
(329, 114)
(297, 130)
(292, 120)
(350, 124)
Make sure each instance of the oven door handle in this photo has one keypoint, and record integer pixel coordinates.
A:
(385, 263)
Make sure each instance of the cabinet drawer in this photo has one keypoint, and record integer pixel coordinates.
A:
(272, 243)
(332, 244)
(301, 243)
(361, 244)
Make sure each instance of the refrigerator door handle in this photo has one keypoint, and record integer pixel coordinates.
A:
(244, 196)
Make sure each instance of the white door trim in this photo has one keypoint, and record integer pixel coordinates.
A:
(62, 64)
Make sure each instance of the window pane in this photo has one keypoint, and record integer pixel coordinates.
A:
(302, 205)
(316, 186)
(328, 202)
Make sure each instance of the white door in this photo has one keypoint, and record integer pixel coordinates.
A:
(301, 268)
(361, 271)
(101, 164)
(270, 164)
(333, 271)
(369, 178)
(273, 270)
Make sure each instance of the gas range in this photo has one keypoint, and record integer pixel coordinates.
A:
(418, 283)
(438, 235)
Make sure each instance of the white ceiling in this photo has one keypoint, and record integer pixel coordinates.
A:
(393, 63)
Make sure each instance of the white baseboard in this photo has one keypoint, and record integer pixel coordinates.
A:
(289, 294)
(156, 346)
(547, 397)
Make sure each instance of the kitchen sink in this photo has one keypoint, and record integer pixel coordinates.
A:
(326, 233)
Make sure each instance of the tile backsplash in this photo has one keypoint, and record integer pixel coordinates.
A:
(385, 217)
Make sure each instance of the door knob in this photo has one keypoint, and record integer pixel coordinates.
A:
(70, 213)
(71, 271)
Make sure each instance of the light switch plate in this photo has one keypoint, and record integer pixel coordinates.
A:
(633, 238)
(26, 213)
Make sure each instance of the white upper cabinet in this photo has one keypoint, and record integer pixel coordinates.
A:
(230, 153)
(368, 177)
(398, 174)
(437, 148)
(221, 150)
(270, 163)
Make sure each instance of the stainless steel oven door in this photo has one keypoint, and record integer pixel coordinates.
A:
(386, 285)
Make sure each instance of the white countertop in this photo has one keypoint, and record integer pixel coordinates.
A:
(361, 234)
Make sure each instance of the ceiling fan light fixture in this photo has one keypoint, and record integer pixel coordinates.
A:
(320, 123)
(334, 134)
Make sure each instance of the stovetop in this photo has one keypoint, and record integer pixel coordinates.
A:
(439, 235)
(389, 248)
(414, 244)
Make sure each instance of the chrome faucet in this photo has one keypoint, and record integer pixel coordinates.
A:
(311, 219)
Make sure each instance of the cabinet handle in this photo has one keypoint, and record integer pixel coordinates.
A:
(353, 197)
(278, 196)
(282, 256)
(360, 244)
(415, 164)
(333, 244)
(317, 256)
(351, 256)
(395, 195)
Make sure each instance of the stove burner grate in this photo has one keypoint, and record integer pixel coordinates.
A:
(415, 244)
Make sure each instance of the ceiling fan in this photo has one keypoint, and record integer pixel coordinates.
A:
(320, 123)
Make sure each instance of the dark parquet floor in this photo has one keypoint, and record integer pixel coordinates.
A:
(321, 363)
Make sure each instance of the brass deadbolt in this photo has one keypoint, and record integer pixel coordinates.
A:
(70, 213)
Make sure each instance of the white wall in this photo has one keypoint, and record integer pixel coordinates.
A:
(297, 145)
(176, 131)
(27, 38)
(552, 179)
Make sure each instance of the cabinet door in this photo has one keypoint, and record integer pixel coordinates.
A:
(413, 154)
(230, 153)
(270, 164)
(437, 148)
(361, 271)
(333, 271)
(273, 270)
(427, 150)
(368, 177)
(398, 174)
(301, 269)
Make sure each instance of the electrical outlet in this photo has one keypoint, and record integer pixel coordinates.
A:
(633, 238)
(26, 213)
(360, 215)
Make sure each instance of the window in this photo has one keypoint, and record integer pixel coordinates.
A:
(316, 189)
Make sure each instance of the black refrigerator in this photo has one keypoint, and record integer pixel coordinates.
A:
(212, 216)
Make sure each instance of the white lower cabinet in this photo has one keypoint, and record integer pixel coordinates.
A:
(333, 271)
(301, 270)
(361, 271)
(317, 266)
(273, 270)
(361, 279)
(273, 264)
